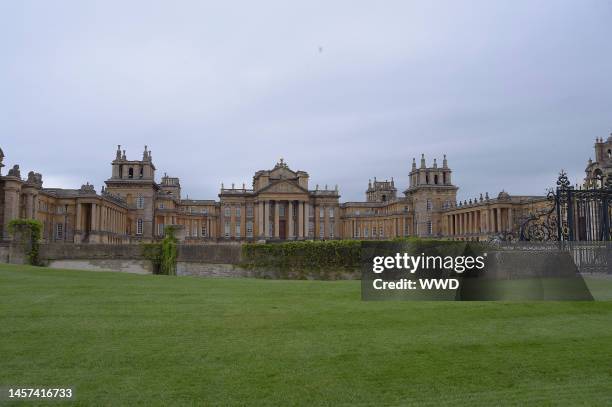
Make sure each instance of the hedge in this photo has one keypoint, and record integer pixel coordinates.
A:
(325, 259)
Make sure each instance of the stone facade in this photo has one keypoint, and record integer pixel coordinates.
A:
(599, 172)
(279, 205)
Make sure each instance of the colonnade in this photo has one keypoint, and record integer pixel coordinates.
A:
(477, 221)
(297, 214)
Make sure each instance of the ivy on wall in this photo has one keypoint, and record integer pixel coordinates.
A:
(324, 259)
(163, 254)
(307, 256)
(29, 231)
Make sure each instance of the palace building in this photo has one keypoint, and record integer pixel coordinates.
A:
(600, 170)
(279, 205)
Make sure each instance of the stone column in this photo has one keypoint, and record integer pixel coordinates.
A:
(301, 220)
(276, 219)
(28, 202)
(260, 219)
(78, 227)
(291, 220)
(307, 207)
(266, 219)
(510, 220)
(499, 225)
(326, 222)
(473, 221)
(93, 238)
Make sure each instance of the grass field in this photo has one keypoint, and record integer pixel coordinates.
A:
(157, 340)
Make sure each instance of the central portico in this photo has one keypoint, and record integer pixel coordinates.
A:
(279, 207)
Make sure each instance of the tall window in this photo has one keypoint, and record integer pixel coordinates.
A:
(357, 231)
(140, 202)
(237, 211)
(139, 227)
(59, 234)
(281, 210)
(250, 211)
(204, 231)
(321, 212)
(227, 229)
(429, 205)
(310, 211)
(429, 227)
(381, 231)
(161, 205)
(228, 211)
(331, 212)
(160, 229)
(365, 232)
(237, 229)
(331, 230)
(194, 231)
(373, 231)
(249, 228)
(321, 230)
(310, 229)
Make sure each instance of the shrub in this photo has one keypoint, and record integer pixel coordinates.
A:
(30, 232)
(162, 254)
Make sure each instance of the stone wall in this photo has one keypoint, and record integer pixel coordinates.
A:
(212, 253)
(122, 265)
(60, 251)
(4, 253)
(190, 268)
(204, 260)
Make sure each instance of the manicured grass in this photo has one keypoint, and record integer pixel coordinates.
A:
(157, 340)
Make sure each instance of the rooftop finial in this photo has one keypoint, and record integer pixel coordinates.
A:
(445, 162)
(422, 160)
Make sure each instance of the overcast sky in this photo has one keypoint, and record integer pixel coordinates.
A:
(511, 91)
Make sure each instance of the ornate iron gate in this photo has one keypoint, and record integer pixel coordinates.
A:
(574, 214)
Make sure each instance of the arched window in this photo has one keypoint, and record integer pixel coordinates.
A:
(139, 227)
(131, 173)
(436, 179)
(609, 153)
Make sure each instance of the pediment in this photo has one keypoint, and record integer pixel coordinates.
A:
(282, 173)
(284, 186)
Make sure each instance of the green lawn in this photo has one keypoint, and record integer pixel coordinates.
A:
(157, 340)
